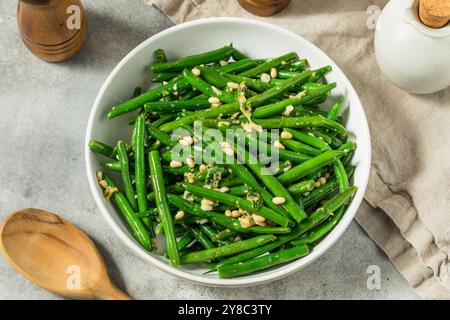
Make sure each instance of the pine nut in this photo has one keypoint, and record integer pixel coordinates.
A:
(175, 164)
(236, 213)
(232, 85)
(206, 208)
(322, 180)
(228, 213)
(207, 202)
(196, 72)
(103, 184)
(190, 162)
(179, 215)
(224, 189)
(288, 110)
(261, 223)
(286, 135)
(202, 168)
(216, 91)
(327, 175)
(214, 100)
(223, 63)
(317, 184)
(265, 78)
(278, 200)
(245, 222)
(273, 73)
(258, 218)
(184, 143)
(277, 144)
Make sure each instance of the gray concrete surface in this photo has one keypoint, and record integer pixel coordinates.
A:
(43, 114)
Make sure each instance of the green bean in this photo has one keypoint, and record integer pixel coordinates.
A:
(112, 166)
(125, 172)
(262, 263)
(175, 85)
(227, 250)
(339, 200)
(335, 110)
(102, 148)
(201, 237)
(272, 183)
(231, 182)
(139, 166)
(341, 175)
(213, 77)
(210, 232)
(163, 119)
(325, 190)
(185, 241)
(157, 180)
(269, 65)
(139, 231)
(320, 135)
(302, 187)
(163, 137)
(301, 122)
(242, 172)
(251, 83)
(296, 65)
(313, 220)
(194, 60)
(190, 94)
(160, 55)
(226, 234)
(309, 139)
(238, 66)
(321, 230)
(231, 108)
(239, 191)
(176, 106)
(284, 74)
(319, 161)
(319, 73)
(238, 55)
(296, 157)
(164, 76)
(221, 219)
(236, 201)
(278, 107)
(300, 147)
(206, 88)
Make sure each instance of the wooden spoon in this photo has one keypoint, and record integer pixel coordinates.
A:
(54, 254)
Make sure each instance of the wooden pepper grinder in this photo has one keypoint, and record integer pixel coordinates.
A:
(264, 8)
(53, 30)
(434, 13)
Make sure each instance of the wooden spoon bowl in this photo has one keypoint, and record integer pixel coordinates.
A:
(55, 255)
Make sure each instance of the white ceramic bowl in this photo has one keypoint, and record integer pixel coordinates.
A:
(258, 40)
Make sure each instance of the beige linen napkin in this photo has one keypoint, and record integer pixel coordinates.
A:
(407, 206)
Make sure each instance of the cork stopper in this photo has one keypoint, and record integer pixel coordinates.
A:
(434, 13)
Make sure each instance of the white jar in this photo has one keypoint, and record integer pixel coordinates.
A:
(413, 56)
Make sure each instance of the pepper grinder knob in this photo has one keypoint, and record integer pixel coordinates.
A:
(53, 30)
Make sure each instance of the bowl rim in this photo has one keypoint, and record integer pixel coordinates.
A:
(274, 274)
